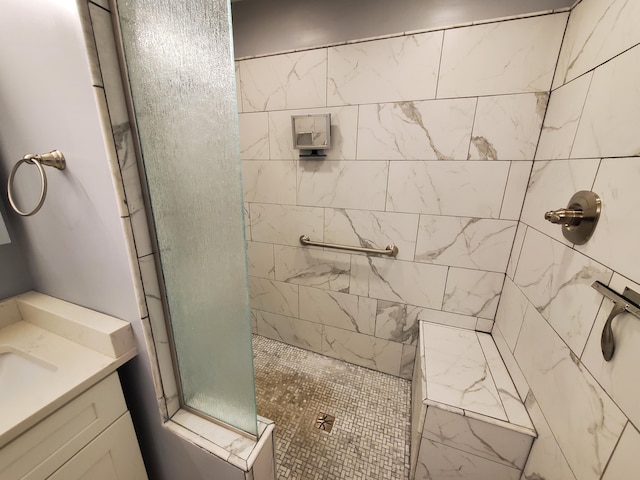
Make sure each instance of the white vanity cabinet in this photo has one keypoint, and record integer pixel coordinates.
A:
(91, 437)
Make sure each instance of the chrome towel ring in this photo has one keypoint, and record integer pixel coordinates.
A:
(53, 159)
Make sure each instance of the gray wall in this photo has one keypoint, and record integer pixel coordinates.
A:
(15, 276)
(269, 26)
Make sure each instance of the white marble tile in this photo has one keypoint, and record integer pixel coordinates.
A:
(562, 118)
(465, 242)
(273, 297)
(103, 3)
(280, 82)
(625, 459)
(507, 127)
(407, 361)
(472, 292)
(584, 420)
(457, 372)
(484, 325)
(313, 267)
(513, 305)
(387, 70)
(618, 376)
(372, 230)
(448, 318)
(607, 126)
(254, 136)
(515, 190)
(254, 321)
(337, 309)
(488, 441)
(504, 57)
(472, 189)
(546, 460)
(283, 224)
(398, 281)
(344, 131)
(425, 130)
(364, 350)
(597, 31)
(247, 221)
(418, 411)
(269, 181)
(510, 362)
(513, 406)
(342, 184)
(551, 186)
(291, 331)
(437, 461)
(516, 249)
(615, 240)
(260, 260)
(238, 89)
(557, 281)
(398, 322)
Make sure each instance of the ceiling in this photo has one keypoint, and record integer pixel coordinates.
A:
(269, 26)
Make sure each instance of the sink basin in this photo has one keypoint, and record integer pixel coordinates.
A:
(20, 371)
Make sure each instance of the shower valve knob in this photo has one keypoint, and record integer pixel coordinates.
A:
(580, 218)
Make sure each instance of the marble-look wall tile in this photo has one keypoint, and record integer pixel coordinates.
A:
(407, 361)
(515, 190)
(511, 311)
(516, 250)
(447, 188)
(492, 442)
(551, 186)
(507, 127)
(344, 129)
(610, 115)
(625, 459)
(557, 281)
(397, 322)
(259, 178)
(254, 321)
(372, 230)
(584, 420)
(364, 350)
(313, 267)
(546, 460)
(476, 243)
(615, 240)
(427, 130)
(618, 376)
(342, 184)
(562, 118)
(448, 318)
(597, 31)
(238, 89)
(273, 297)
(283, 224)
(387, 70)
(254, 136)
(291, 331)
(247, 221)
(438, 461)
(260, 260)
(281, 82)
(336, 309)
(509, 360)
(503, 57)
(398, 281)
(472, 292)
(484, 325)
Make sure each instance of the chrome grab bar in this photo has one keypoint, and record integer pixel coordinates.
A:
(390, 251)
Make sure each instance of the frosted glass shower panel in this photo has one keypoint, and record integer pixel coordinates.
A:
(180, 66)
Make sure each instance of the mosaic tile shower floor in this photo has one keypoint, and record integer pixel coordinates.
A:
(370, 436)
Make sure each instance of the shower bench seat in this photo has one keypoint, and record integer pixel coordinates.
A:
(467, 419)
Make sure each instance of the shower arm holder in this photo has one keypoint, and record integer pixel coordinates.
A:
(628, 302)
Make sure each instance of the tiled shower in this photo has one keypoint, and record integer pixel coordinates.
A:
(438, 137)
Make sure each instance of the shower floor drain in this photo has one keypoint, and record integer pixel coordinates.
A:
(324, 422)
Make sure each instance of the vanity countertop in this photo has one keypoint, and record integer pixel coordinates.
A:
(51, 351)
